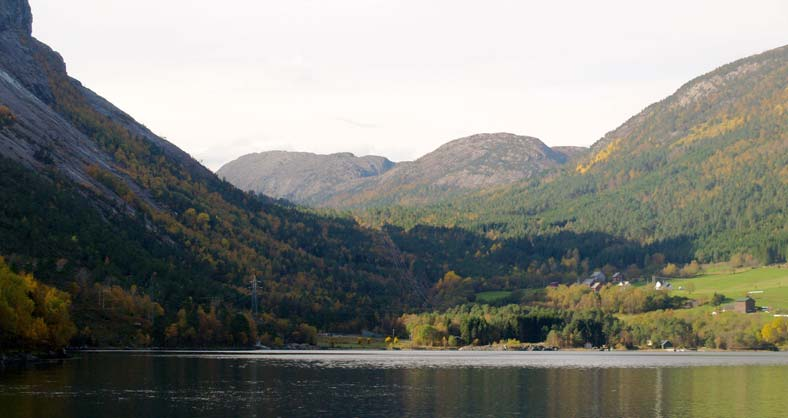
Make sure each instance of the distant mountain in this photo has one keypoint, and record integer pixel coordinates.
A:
(341, 180)
(300, 176)
(705, 169)
(473, 163)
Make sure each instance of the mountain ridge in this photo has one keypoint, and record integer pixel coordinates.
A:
(461, 165)
(300, 177)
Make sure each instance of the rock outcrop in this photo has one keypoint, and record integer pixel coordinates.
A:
(15, 15)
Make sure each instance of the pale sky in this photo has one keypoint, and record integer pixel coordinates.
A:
(396, 78)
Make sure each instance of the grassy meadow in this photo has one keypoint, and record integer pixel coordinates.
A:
(351, 342)
(492, 296)
(772, 281)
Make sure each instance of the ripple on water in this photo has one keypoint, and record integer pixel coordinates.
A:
(561, 359)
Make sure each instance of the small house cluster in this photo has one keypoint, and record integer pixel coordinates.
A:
(663, 284)
(663, 344)
(597, 280)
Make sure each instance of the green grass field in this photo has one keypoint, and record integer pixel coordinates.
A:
(772, 281)
(492, 296)
(351, 342)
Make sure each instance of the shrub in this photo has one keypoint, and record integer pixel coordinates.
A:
(7, 117)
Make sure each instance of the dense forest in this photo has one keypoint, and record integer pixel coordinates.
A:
(323, 272)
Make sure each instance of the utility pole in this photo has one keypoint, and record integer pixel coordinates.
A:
(102, 298)
(254, 296)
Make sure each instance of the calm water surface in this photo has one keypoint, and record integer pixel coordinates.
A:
(395, 384)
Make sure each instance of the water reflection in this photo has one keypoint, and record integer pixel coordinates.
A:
(402, 384)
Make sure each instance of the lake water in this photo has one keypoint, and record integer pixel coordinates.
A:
(401, 384)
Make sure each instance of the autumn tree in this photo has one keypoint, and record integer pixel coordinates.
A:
(690, 270)
(7, 117)
(671, 270)
(775, 332)
(32, 315)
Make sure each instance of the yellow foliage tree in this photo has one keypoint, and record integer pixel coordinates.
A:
(776, 331)
(32, 315)
(671, 270)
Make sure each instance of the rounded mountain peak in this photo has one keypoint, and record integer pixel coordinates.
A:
(495, 145)
(493, 141)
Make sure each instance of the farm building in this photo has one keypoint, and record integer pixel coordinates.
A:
(745, 305)
(663, 285)
(598, 276)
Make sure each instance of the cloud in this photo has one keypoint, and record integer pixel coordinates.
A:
(358, 124)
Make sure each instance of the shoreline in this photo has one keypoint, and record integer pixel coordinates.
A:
(32, 358)
(252, 351)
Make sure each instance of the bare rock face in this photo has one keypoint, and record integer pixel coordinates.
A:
(23, 57)
(38, 136)
(300, 176)
(41, 135)
(15, 15)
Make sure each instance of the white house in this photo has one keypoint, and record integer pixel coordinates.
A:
(663, 285)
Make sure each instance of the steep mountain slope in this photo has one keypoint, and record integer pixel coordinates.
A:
(300, 177)
(466, 164)
(705, 166)
(91, 197)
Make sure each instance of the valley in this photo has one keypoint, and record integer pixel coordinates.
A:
(151, 249)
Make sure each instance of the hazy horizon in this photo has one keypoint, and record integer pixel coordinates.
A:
(396, 79)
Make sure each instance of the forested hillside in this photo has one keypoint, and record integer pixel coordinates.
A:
(705, 170)
(96, 204)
